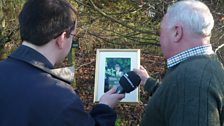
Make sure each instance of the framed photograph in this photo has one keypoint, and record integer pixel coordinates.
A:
(111, 64)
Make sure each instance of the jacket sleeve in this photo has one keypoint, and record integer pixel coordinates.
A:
(103, 115)
(74, 115)
(151, 85)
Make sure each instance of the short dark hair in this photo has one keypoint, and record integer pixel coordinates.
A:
(43, 20)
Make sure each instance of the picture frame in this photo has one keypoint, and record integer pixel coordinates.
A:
(111, 64)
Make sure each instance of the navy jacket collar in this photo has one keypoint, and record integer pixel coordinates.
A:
(31, 56)
(34, 58)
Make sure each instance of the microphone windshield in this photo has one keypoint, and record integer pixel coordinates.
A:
(129, 81)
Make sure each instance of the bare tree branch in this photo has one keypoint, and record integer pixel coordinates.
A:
(119, 22)
(219, 47)
(111, 41)
(85, 64)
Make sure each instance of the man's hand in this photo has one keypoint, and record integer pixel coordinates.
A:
(143, 74)
(111, 98)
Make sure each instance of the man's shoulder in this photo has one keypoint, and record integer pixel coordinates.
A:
(49, 91)
(12, 64)
(198, 68)
(9, 67)
(197, 63)
(5, 62)
(39, 82)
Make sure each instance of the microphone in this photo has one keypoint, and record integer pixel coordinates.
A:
(128, 82)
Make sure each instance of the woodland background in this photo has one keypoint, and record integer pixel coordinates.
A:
(121, 24)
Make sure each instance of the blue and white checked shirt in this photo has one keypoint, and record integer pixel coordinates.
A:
(199, 50)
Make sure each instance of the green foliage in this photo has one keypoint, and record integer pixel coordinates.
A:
(118, 122)
(124, 63)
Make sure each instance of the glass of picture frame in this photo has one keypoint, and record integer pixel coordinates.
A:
(111, 64)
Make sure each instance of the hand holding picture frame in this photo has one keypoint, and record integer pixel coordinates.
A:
(111, 64)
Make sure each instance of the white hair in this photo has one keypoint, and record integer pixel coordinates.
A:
(195, 15)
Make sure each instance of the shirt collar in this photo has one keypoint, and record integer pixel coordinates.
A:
(198, 50)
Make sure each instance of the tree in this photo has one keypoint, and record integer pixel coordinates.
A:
(9, 24)
(112, 24)
(134, 23)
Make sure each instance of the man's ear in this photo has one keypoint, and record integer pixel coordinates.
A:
(178, 33)
(60, 40)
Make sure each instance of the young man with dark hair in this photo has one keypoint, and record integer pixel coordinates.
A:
(30, 93)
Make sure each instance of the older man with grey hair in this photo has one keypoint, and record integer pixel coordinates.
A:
(192, 91)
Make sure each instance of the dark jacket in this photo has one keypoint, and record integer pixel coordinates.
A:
(30, 96)
(191, 94)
